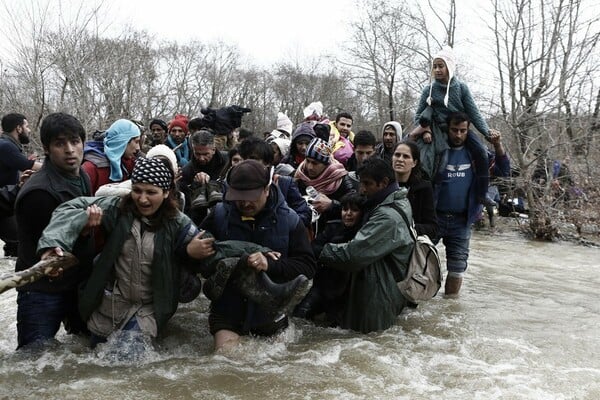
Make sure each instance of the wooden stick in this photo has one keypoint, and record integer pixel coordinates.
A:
(39, 270)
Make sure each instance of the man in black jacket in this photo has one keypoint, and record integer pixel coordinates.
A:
(44, 304)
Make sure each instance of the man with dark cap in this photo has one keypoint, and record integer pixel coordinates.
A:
(254, 211)
(159, 129)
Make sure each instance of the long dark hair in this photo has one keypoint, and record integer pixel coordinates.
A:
(417, 174)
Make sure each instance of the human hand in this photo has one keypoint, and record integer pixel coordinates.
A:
(321, 203)
(427, 138)
(258, 261)
(201, 248)
(495, 136)
(94, 214)
(202, 178)
(274, 255)
(56, 272)
(25, 175)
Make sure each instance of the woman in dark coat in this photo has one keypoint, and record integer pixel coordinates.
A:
(407, 167)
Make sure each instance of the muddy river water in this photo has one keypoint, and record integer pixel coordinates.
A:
(527, 326)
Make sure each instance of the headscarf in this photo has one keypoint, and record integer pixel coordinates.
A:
(115, 142)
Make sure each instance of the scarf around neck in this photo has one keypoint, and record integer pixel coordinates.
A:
(328, 182)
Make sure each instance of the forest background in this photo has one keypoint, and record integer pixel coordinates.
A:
(533, 66)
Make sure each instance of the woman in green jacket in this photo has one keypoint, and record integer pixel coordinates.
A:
(135, 281)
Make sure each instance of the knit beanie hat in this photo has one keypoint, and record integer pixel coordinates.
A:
(283, 144)
(115, 142)
(166, 152)
(314, 111)
(446, 54)
(159, 122)
(304, 129)
(319, 150)
(181, 121)
(284, 123)
(152, 171)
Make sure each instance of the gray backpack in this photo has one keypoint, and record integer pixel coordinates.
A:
(423, 277)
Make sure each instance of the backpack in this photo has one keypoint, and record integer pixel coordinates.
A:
(423, 276)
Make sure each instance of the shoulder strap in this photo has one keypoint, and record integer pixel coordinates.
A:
(411, 228)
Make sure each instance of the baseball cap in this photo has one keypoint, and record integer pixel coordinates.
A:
(247, 180)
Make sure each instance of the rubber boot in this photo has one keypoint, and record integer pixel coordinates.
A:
(452, 287)
(310, 306)
(215, 193)
(200, 201)
(275, 298)
(215, 284)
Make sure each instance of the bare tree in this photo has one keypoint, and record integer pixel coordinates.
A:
(543, 51)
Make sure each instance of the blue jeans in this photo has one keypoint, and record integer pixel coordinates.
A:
(131, 325)
(39, 316)
(456, 234)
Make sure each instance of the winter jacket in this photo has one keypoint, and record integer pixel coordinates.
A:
(169, 252)
(276, 227)
(474, 208)
(12, 160)
(335, 211)
(37, 199)
(459, 99)
(377, 258)
(341, 147)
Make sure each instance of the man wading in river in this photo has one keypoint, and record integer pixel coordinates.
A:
(457, 208)
(44, 304)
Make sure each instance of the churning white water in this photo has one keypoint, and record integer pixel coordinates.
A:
(525, 327)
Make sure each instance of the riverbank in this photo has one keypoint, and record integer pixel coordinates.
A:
(586, 233)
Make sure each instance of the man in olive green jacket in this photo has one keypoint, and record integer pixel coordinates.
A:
(378, 255)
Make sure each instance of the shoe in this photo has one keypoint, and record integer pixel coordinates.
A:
(452, 286)
(275, 298)
(310, 305)
(200, 201)
(215, 284)
(215, 195)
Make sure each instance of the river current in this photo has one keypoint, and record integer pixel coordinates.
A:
(525, 327)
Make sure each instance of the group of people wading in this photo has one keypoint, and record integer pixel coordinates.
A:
(203, 205)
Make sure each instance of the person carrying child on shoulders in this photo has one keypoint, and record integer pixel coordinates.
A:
(444, 95)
